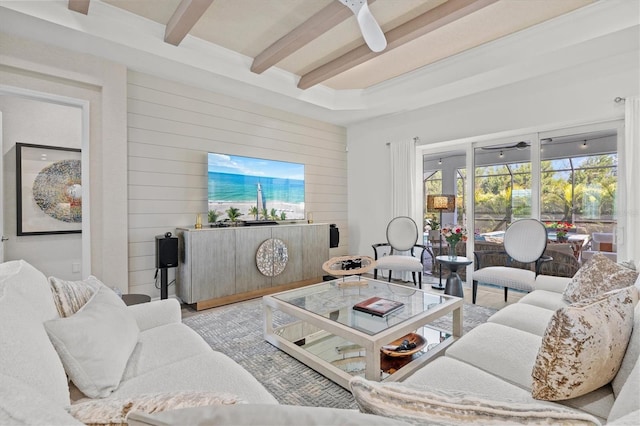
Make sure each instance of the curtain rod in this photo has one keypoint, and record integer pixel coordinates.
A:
(619, 99)
(415, 140)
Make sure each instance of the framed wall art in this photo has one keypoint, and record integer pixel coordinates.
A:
(49, 189)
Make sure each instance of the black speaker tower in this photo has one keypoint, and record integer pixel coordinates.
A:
(166, 257)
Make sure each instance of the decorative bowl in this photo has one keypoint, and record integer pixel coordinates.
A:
(419, 341)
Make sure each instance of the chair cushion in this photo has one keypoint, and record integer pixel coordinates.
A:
(544, 299)
(583, 346)
(399, 263)
(597, 276)
(627, 400)
(505, 276)
(96, 342)
(421, 405)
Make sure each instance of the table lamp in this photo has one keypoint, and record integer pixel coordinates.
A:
(441, 203)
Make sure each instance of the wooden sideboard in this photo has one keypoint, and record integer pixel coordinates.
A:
(218, 265)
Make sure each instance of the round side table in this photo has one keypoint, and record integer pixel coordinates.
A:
(454, 283)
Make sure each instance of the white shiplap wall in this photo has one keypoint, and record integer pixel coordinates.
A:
(171, 129)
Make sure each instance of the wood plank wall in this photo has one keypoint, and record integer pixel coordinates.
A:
(171, 127)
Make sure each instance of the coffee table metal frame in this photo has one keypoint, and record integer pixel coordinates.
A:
(371, 343)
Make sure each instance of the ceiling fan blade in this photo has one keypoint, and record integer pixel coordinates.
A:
(371, 31)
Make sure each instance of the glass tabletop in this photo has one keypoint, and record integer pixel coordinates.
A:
(335, 300)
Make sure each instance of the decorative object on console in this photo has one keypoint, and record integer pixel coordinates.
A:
(599, 275)
(48, 185)
(583, 345)
(198, 221)
(443, 204)
(272, 257)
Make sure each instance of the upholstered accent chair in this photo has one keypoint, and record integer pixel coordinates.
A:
(405, 254)
(525, 241)
(601, 242)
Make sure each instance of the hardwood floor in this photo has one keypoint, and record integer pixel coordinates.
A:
(489, 297)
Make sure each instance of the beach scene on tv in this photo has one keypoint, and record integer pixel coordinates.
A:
(248, 189)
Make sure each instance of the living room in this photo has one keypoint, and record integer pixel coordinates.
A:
(145, 129)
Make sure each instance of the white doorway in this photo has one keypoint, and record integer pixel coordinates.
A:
(31, 117)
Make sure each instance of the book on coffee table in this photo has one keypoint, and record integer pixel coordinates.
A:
(378, 306)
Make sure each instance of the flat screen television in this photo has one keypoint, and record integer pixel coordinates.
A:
(257, 188)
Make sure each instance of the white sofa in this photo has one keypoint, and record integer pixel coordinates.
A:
(495, 361)
(168, 365)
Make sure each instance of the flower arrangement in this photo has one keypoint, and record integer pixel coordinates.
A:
(561, 228)
(454, 234)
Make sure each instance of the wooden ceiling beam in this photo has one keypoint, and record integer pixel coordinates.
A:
(183, 19)
(306, 32)
(80, 6)
(429, 21)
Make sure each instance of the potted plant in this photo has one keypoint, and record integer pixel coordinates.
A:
(454, 234)
(433, 226)
(213, 216)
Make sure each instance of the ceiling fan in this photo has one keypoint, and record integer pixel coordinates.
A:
(371, 31)
(519, 145)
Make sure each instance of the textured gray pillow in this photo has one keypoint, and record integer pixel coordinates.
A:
(422, 405)
(598, 275)
(96, 342)
(583, 346)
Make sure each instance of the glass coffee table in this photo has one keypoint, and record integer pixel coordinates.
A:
(318, 326)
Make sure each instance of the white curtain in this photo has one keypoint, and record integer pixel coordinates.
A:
(632, 194)
(403, 173)
(403, 165)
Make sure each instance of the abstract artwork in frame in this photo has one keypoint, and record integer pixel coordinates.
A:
(49, 189)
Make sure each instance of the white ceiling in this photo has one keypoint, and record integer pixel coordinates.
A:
(504, 42)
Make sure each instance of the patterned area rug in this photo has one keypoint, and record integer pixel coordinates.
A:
(236, 330)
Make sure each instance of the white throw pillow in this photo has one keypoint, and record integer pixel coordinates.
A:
(96, 342)
(422, 405)
(583, 345)
(70, 296)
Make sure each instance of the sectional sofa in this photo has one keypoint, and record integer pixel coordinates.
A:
(69, 361)
(574, 343)
(72, 353)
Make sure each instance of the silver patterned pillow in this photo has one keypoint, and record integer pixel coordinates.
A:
(114, 412)
(70, 296)
(422, 405)
(583, 345)
(598, 275)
